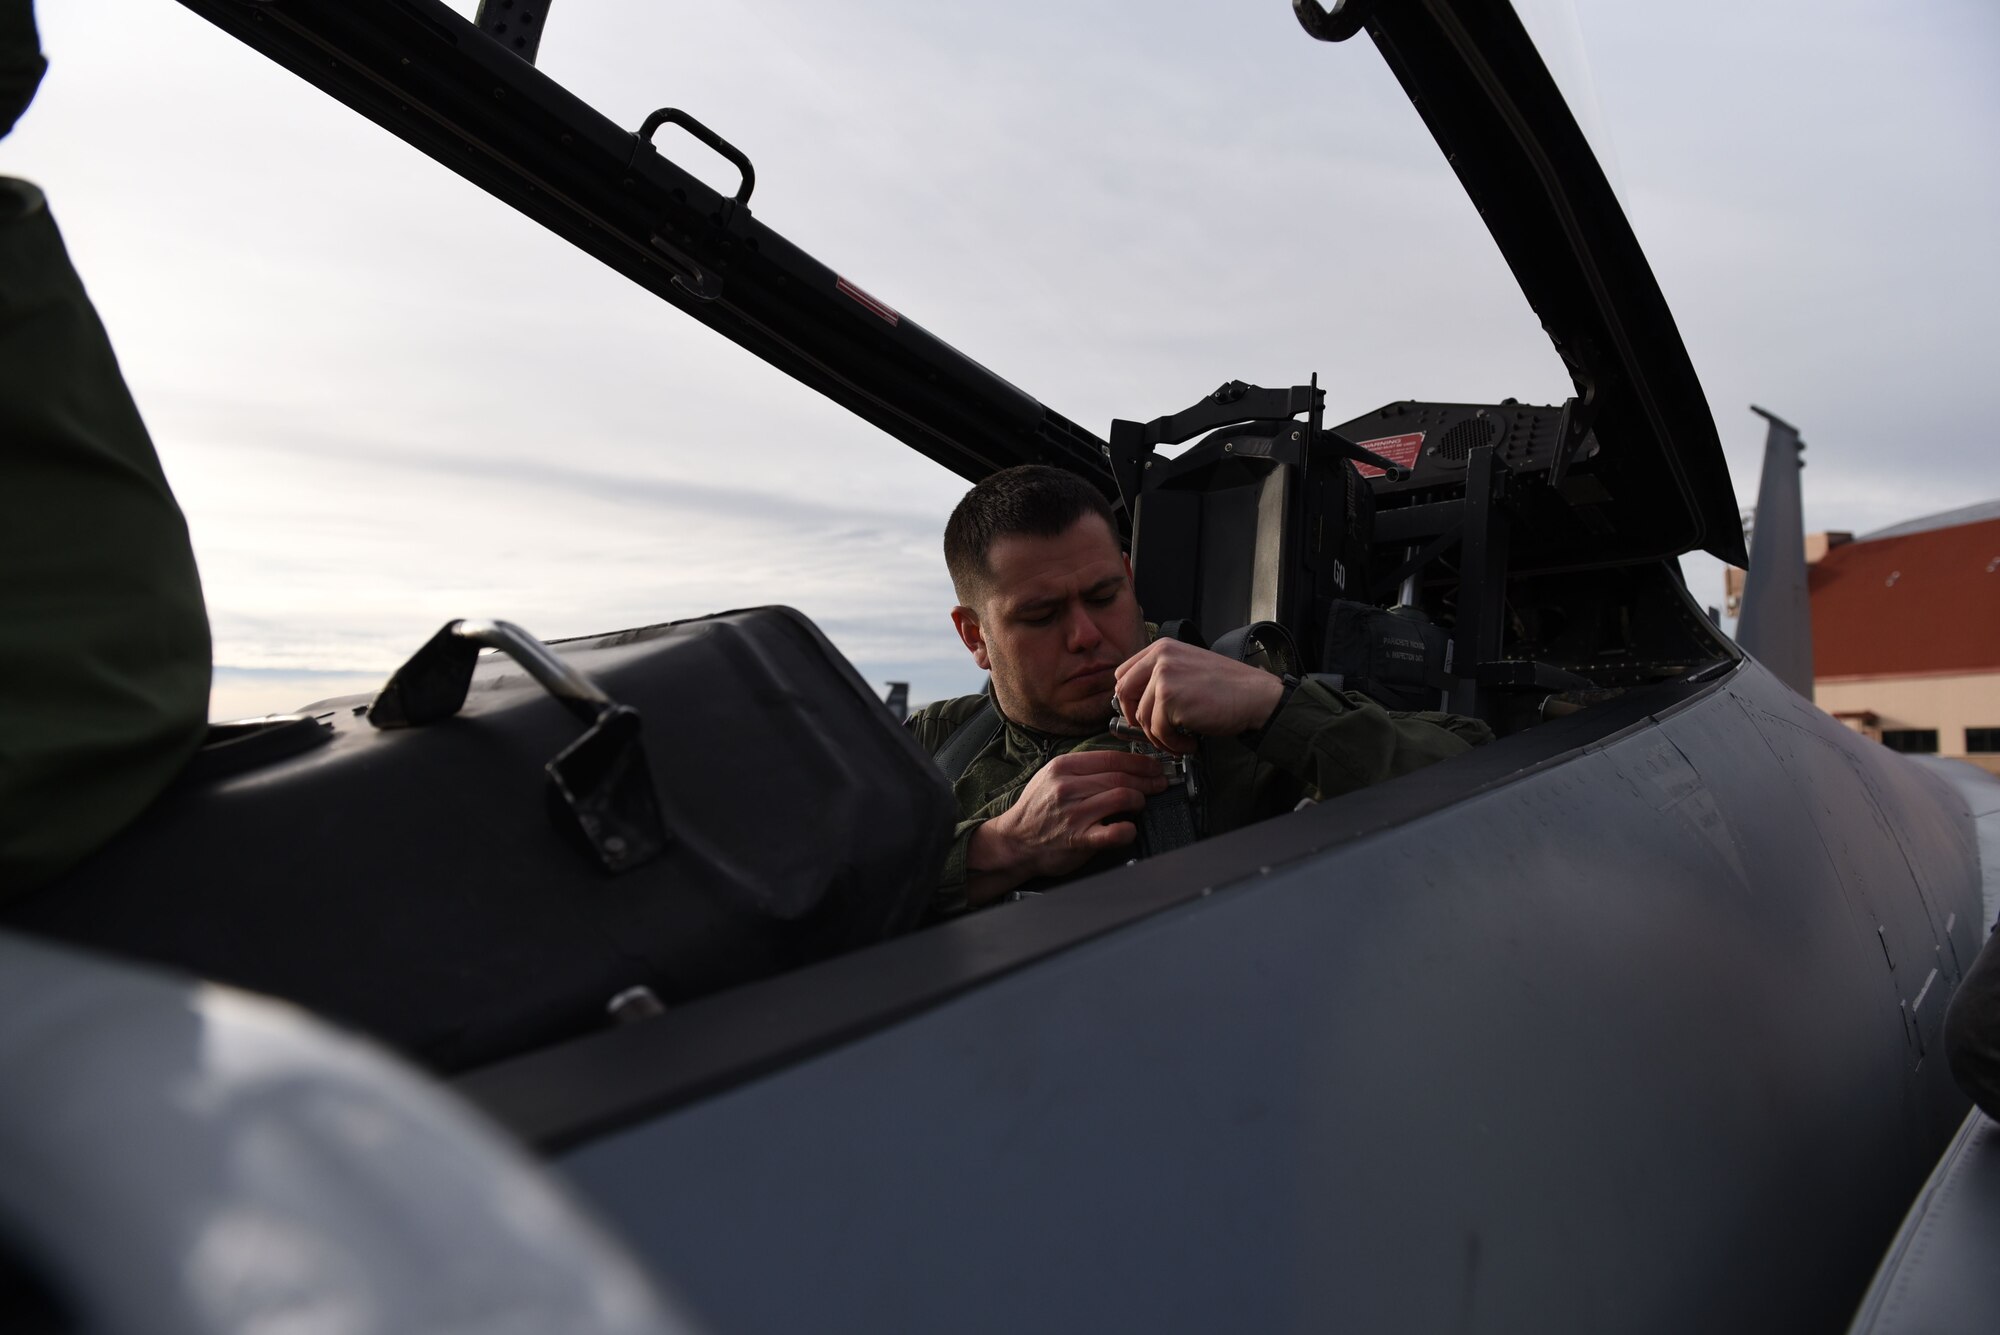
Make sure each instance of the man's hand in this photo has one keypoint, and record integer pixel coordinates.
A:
(1062, 819)
(1177, 694)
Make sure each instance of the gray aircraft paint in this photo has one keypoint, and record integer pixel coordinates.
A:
(1577, 1050)
(1938, 1276)
(1570, 1052)
(182, 1159)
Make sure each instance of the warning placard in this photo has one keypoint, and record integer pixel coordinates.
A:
(1396, 449)
(867, 302)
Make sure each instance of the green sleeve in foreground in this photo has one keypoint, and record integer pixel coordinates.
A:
(932, 726)
(104, 648)
(948, 899)
(1337, 742)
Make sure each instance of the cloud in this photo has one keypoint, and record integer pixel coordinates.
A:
(386, 400)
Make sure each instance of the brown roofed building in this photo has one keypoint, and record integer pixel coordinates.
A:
(1906, 633)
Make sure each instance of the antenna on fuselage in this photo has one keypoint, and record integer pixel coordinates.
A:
(1776, 626)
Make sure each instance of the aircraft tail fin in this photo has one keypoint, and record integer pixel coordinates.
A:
(899, 700)
(1776, 627)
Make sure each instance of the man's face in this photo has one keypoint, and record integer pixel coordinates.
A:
(1055, 619)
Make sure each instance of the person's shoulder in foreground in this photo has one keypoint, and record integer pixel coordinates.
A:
(103, 637)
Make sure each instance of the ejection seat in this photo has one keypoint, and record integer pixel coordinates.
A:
(1263, 534)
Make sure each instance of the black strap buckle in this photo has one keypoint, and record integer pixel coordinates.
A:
(600, 786)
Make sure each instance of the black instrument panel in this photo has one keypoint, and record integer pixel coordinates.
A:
(1434, 440)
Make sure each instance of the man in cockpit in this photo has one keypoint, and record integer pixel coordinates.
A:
(1046, 789)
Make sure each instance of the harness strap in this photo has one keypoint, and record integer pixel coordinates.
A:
(1168, 822)
(955, 753)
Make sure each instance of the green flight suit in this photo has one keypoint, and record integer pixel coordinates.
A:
(104, 648)
(1319, 744)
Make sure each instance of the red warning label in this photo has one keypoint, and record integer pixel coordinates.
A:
(869, 303)
(1396, 449)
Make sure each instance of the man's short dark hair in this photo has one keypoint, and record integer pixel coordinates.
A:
(1032, 500)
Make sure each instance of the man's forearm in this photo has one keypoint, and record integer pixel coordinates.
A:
(993, 866)
(979, 870)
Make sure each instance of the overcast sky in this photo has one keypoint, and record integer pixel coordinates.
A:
(386, 400)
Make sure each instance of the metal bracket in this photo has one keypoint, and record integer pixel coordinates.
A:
(675, 116)
(1128, 453)
(1132, 444)
(1572, 429)
(1349, 450)
(698, 280)
(515, 24)
(688, 273)
(1421, 558)
(1346, 18)
(600, 786)
(1482, 587)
